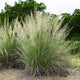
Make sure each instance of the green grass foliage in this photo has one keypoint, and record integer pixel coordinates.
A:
(74, 47)
(8, 48)
(42, 51)
(39, 45)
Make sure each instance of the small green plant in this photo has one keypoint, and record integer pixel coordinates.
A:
(78, 68)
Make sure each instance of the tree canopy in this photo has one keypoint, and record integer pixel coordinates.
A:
(73, 22)
(21, 9)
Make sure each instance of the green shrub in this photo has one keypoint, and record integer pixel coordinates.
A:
(42, 52)
(75, 37)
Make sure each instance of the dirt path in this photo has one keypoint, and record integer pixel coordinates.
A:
(20, 75)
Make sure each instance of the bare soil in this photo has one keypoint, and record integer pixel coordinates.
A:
(15, 74)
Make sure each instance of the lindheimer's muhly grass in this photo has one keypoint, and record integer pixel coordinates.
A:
(39, 44)
(9, 45)
(42, 52)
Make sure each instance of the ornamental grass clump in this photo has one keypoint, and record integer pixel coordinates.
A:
(9, 47)
(42, 52)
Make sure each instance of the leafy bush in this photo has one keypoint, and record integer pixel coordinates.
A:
(42, 52)
(75, 37)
